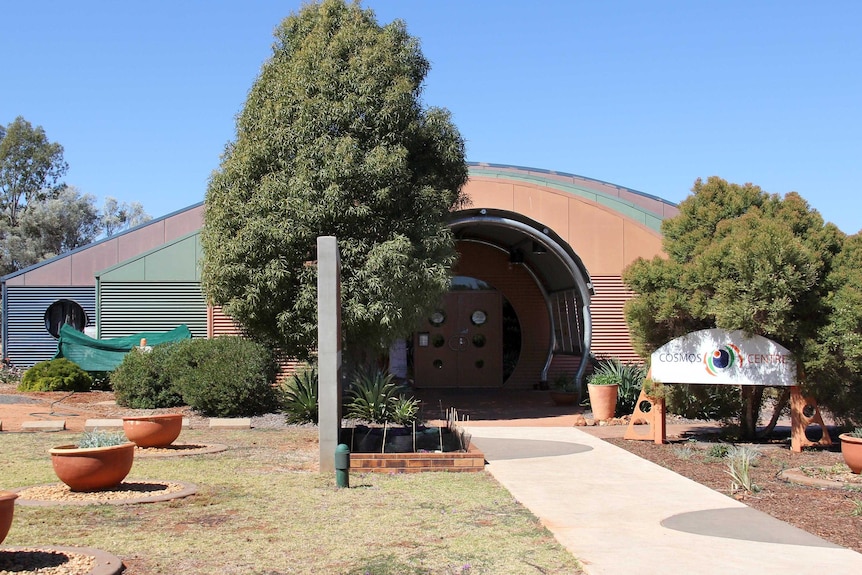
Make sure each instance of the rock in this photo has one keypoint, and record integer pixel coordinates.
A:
(580, 421)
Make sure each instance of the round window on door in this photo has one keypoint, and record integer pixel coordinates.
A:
(65, 312)
(478, 317)
(437, 318)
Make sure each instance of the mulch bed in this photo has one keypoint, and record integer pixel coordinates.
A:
(832, 512)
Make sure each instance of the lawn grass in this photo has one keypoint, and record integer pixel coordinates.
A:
(262, 508)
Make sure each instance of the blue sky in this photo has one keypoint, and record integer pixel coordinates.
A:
(645, 94)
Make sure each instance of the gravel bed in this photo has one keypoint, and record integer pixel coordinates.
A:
(45, 562)
(60, 492)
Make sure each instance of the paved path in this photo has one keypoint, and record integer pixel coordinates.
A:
(622, 515)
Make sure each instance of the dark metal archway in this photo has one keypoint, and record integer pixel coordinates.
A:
(558, 271)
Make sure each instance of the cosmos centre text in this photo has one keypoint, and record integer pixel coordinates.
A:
(752, 358)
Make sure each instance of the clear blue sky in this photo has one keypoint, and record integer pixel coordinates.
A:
(645, 94)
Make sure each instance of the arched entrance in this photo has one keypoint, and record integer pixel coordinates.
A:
(525, 285)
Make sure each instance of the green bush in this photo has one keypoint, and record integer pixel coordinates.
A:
(227, 376)
(55, 375)
(142, 380)
(300, 396)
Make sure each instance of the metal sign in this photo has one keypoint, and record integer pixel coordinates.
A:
(721, 357)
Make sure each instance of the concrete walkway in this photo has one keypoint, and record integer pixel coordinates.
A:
(622, 515)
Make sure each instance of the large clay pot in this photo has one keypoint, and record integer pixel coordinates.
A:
(851, 449)
(92, 468)
(7, 510)
(603, 400)
(153, 430)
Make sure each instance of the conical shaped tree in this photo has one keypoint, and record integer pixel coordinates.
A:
(334, 140)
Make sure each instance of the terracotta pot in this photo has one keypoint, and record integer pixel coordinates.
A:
(851, 449)
(92, 468)
(603, 400)
(153, 430)
(7, 510)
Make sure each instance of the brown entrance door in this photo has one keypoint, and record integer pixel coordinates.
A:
(462, 344)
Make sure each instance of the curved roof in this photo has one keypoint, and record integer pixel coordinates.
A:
(644, 208)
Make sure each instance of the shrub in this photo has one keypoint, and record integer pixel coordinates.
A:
(142, 380)
(55, 375)
(227, 376)
(740, 460)
(718, 402)
(300, 397)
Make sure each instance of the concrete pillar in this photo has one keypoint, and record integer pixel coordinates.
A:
(328, 349)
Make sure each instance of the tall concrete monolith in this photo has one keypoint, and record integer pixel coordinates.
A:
(328, 349)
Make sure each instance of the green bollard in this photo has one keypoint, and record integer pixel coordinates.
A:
(342, 465)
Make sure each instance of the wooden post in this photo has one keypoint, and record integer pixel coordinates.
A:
(804, 412)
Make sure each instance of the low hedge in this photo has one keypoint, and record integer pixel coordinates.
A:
(226, 376)
(55, 375)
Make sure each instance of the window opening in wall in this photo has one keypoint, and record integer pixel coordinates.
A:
(65, 312)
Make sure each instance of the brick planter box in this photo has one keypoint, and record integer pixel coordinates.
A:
(472, 460)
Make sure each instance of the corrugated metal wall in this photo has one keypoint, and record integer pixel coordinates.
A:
(610, 332)
(130, 307)
(28, 342)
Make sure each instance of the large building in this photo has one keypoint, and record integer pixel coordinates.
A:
(537, 286)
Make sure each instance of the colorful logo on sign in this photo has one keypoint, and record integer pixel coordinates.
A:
(721, 359)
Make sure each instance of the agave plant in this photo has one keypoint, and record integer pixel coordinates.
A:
(371, 395)
(301, 398)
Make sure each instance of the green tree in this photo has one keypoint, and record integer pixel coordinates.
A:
(49, 228)
(738, 259)
(31, 168)
(334, 140)
(835, 356)
(117, 216)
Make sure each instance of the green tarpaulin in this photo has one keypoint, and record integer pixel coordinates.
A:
(106, 354)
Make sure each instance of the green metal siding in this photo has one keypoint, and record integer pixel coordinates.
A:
(173, 262)
(130, 307)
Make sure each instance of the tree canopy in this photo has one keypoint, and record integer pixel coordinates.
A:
(42, 216)
(31, 167)
(741, 259)
(334, 140)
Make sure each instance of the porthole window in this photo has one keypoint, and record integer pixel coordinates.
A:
(437, 318)
(65, 312)
(438, 340)
(478, 317)
(478, 340)
(438, 363)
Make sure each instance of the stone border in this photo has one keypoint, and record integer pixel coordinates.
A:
(796, 475)
(174, 450)
(106, 563)
(188, 489)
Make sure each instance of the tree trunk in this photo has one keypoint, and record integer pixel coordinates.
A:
(752, 396)
(779, 407)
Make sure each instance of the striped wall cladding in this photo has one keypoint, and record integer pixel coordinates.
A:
(610, 332)
(126, 308)
(27, 341)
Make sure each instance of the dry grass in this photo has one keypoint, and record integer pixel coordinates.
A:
(263, 508)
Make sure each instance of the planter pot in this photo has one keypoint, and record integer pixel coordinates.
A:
(92, 468)
(153, 430)
(7, 510)
(564, 397)
(851, 449)
(603, 401)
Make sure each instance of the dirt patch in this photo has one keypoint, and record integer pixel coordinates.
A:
(74, 408)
